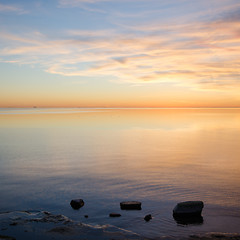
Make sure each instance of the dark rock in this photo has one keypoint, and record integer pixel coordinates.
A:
(188, 209)
(86, 216)
(13, 223)
(148, 217)
(46, 213)
(131, 205)
(114, 215)
(189, 220)
(77, 203)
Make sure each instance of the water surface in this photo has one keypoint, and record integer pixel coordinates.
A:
(157, 156)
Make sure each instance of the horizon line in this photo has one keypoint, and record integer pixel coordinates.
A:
(36, 107)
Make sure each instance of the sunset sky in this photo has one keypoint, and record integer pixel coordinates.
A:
(120, 53)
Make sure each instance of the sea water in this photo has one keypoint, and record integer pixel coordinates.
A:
(104, 156)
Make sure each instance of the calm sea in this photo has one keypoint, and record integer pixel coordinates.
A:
(104, 156)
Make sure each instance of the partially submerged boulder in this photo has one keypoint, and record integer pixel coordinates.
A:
(190, 220)
(77, 203)
(188, 209)
(131, 205)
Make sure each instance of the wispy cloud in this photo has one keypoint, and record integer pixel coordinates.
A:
(76, 2)
(86, 5)
(12, 8)
(202, 55)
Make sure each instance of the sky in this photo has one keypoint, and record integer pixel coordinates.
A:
(120, 53)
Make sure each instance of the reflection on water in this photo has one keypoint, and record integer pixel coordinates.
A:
(198, 220)
(157, 156)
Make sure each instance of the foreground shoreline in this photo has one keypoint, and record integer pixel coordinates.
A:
(18, 225)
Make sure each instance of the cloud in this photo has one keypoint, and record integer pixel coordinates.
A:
(76, 2)
(83, 4)
(12, 8)
(202, 55)
(80, 3)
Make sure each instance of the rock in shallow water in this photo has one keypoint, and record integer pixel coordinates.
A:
(131, 205)
(148, 217)
(187, 209)
(77, 203)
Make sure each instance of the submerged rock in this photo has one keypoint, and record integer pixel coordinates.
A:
(148, 217)
(48, 226)
(131, 205)
(13, 223)
(115, 215)
(216, 236)
(77, 203)
(188, 209)
(62, 230)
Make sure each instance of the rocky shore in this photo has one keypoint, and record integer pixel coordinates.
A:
(40, 225)
(45, 225)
